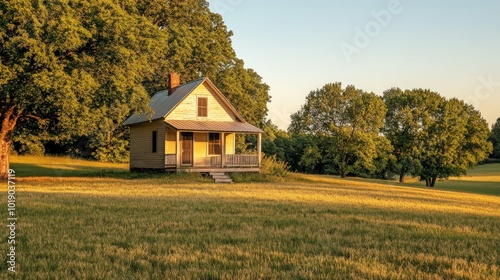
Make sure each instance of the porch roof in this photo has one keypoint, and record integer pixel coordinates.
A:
(206, 126)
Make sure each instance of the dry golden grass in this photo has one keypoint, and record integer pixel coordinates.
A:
(319, 190)
(477, 179)
(309, 227)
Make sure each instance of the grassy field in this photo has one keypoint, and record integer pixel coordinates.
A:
(483, 179)
(96, 221)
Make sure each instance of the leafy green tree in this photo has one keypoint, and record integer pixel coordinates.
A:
(408, 113)
(351, 117)
(290, 148)
(310, 158)
(198, 40)
(495, 139)
(433, 137)
(67, 66)
(271, 133)
(246, 91)
(384, 161)
(457, 140)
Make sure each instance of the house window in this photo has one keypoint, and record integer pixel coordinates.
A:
(214, 144)
(202, 106)
(154, 142)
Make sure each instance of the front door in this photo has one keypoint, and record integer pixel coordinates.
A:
(187, 148)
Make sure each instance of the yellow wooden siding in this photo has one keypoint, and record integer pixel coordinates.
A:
(201, 157)
(188, 109)
(141, 155)
(200, 147)
(230, 149)
(170, 142)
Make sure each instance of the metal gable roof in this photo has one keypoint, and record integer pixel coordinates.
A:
(162, 104)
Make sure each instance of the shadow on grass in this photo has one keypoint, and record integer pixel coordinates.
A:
(27, 170)
(474, 187)
(36, 170)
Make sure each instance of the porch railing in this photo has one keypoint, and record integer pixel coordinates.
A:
(241, 160)
(235, 161)
(170, 160)
(215, 161)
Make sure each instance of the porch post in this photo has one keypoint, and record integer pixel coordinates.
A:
(222, 149)
(178, 149)
(259, 147)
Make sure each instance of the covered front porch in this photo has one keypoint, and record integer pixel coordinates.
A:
(192, 146)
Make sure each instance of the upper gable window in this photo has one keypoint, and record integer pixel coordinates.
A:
(202, 107)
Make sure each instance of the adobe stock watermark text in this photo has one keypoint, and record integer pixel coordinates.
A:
(11, 220)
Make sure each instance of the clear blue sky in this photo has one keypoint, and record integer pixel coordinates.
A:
(452, 47)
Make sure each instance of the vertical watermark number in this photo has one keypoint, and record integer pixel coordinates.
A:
(11, 220)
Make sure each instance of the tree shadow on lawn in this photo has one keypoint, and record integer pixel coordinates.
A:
(31, 170)
(453, 185)
(475, 187)
(37, 170)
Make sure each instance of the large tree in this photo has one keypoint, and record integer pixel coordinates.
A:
(408, 113)
(75, 68)
(434, 137)
(352, 118)
(198, 40)
(457, 141)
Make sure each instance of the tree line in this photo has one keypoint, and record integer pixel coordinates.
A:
(348, 131)
(72, 71)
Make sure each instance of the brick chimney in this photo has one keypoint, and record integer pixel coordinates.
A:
(174, 80)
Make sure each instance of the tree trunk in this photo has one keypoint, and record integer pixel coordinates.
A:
(342, 171)
(402, 176)
(433, 182)
(427, 182)
(343, 165)
(4, 158)
(8, 123)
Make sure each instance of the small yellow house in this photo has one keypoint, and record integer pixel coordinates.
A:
(193, 129)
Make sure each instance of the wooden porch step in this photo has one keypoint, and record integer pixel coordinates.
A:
(227, 181)
(220, 177)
